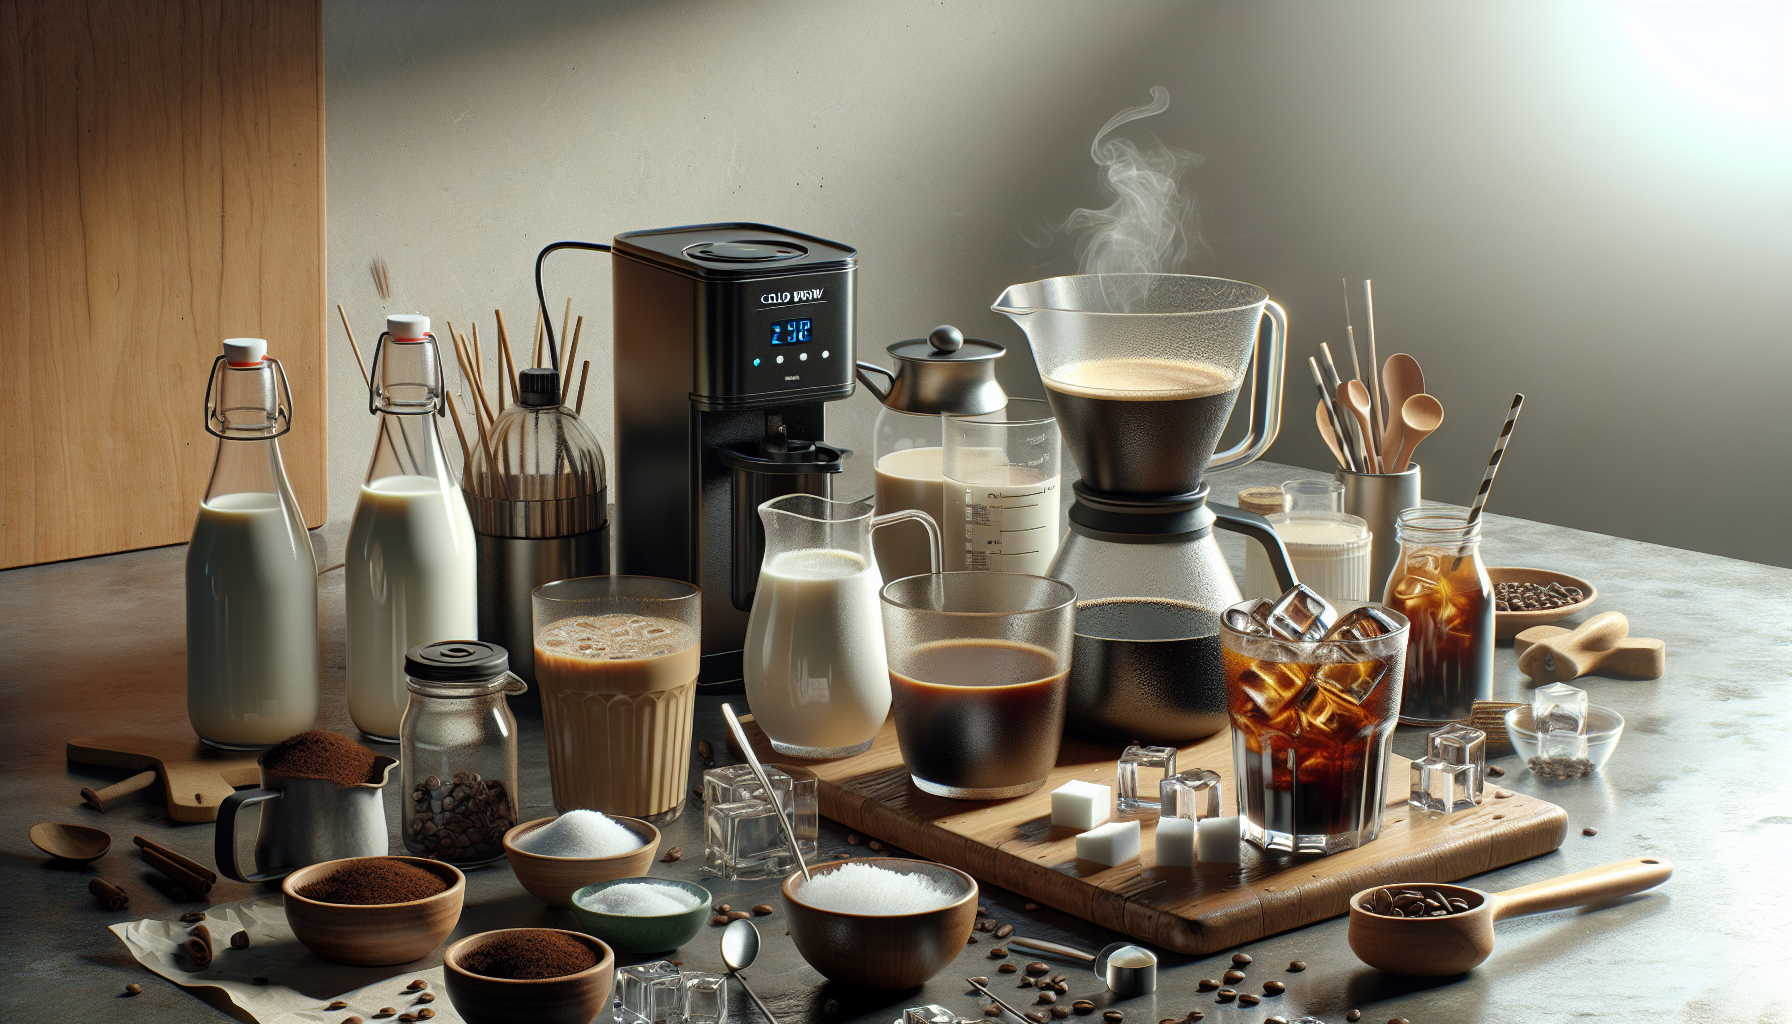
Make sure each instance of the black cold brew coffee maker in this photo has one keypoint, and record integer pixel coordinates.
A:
(729, 341)
(1142, 371)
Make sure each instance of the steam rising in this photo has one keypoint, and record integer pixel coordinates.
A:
(1149, 227)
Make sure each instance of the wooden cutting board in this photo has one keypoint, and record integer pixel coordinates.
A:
(194, 778)
(1196, 911)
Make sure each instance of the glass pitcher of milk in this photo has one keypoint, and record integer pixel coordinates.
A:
(410, 558)
(814, 660)
(251, 574)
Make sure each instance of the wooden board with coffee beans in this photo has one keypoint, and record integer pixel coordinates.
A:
(1197, 910)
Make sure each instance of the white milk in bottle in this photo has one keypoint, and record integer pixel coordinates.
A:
(410, 557)
(251, 575)
(910, 478)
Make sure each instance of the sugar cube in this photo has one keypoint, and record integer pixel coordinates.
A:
(1217, 839)
(1175, 842)
(1114, 843)
(1078, 804)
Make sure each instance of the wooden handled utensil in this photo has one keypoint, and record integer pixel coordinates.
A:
(1430, 947)
(1401, 379)
(1420, 416)
(1603, 644)
(1356, 398)
(1327, 434)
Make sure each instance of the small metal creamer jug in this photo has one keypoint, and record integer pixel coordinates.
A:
(306, 821)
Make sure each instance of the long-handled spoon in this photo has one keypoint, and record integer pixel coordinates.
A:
(1401, 379)
(771, 796)
(1356, 398)
(1419, 418)
(1003, 1003)
(1327, 434)
(740, 947)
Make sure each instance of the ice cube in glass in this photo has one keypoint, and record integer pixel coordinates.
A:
(1559, 714)
(1301, 614)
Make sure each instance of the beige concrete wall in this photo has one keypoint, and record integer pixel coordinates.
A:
(1542, 207)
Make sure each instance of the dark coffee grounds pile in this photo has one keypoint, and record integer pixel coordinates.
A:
(374, 880)
(320, 755)
(525, 955)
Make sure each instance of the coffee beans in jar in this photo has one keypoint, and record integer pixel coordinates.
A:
(461, 820)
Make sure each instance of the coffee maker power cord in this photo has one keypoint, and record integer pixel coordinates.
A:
(547, 319)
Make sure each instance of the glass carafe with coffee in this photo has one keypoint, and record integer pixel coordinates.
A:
(1142, 371)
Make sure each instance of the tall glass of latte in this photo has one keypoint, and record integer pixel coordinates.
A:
(616, 662)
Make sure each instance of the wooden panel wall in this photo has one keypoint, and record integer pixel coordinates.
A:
(161, 189)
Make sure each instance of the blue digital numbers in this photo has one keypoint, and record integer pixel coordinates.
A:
(792, 332)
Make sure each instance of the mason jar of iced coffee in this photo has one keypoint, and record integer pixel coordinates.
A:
(1442, 588)
(458, 745)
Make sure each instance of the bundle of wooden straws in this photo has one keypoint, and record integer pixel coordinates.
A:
(470, 357)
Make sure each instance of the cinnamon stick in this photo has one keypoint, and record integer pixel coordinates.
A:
(110, 896)
(190, 874)
(199, 947)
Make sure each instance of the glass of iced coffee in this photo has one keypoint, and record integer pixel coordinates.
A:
(979, 673)
(1311, 725)
(616, 661)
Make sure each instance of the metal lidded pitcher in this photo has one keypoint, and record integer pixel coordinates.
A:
(306, 821)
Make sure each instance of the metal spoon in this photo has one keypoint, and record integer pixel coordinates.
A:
(1419, 417)
(771, 797)
(740, 947)
(1127, 981)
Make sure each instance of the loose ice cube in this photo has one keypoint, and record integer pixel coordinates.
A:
(1301, 614)
(932, 1013)
(706, 999)
(649, 993)
(1193, 794)
(1139, 796)
(1448, 778)
(1078, 804)
(741, 835)
(1114, 843)
(1175, 842)
(1559, 714)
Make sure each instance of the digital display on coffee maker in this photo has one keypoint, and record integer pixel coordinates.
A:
(792, 332)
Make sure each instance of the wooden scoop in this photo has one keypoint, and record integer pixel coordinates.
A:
(78, 843)
(1551, 654)
(1430, 947)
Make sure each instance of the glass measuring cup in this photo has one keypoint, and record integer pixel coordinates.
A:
(1001, 492)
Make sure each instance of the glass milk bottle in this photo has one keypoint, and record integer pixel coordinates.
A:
(251, 574)
(410, 557)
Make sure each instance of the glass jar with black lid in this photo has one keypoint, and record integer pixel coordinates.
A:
(458, 745)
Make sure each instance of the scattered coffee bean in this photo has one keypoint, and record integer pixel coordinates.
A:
(672, 855)
(1004, 931)
(1275, 1020)
(696, 790)
(192, 915)
(980, 980)
(337, 1005)
(425, 1014)
(133, 989)
(1274, 988)
(983, 910)
(426, 997)
(1225, 995)
(830, 1006)
(239, 941)
(1083, 1006)
(1037, 1017)
(762, 909)
(1058, 978)
(1297, 965)
(992, 1010)
(1061, 988)
(1039, 967)
(1113, 1016)
(854, 839)
(1060, 1012)
(1589, 831)
(1046, 998)
(1502, 794)
(1354, 1015)
(738, 915)
(1195, 1015)
(416, 985)
(1206, 985)
(1167, 1020)
(721, 908)
(409, 1018)
(352, 1020)
(1007, 968)
(1241, 958)
(986, 926)
(875, 845)
(1026, 983)
(1029, 906)
(1561, 768)
(719, 919)
(704, 749)
(972, 941)
(1494, 771)
(1398, 1020)
(1232, 975)
(258, 981)
(998, 951)
(1248, 999)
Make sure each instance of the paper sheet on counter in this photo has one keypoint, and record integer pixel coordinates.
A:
(299, 983)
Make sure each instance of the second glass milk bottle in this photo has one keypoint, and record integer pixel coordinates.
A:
(410, 558)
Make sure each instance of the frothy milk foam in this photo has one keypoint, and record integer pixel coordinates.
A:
(251, 623)
(1141, 379)
(814, 665)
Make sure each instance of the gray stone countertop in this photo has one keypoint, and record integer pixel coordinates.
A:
(96, 645)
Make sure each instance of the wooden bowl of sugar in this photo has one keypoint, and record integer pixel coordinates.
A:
(553, 879)
(841, 922)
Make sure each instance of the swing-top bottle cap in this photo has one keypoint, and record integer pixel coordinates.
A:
(408, 326)
(245, 351)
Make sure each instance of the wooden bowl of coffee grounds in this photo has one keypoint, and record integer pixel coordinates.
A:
(882, 951)
(553, 880)
(374, 934)
(569, 999)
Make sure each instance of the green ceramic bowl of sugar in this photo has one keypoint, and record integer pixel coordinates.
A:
(642, 920)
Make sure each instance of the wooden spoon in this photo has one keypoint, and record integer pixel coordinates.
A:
(1420, 416)
(1401, 379)
(78, 843)
(1356, 398)
(1325, 432)
(1430, 947)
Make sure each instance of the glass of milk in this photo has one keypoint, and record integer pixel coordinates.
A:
(1001, 490)
(814, 659)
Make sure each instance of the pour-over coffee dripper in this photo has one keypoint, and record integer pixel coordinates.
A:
(1142, 371)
